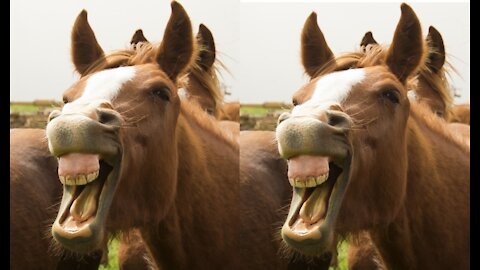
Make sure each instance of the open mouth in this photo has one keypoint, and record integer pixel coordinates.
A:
(88, 182)
(319, 185)
(315, 191)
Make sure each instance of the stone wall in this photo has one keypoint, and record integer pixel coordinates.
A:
(29, 120)
(266, 122)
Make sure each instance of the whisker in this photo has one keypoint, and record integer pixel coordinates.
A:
(135, 121)
(123, 111)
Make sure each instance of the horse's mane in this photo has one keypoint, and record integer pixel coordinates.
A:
(356, 59)
(144, 52)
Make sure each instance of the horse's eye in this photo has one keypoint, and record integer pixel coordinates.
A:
(391, 95)
(162, 92)
(439, 114)
(209, 111)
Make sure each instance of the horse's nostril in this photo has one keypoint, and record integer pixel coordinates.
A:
(53, 115)
(284, 116)
(107, 117)
(338, 119)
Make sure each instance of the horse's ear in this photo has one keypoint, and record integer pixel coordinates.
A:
(436, 55)
(206, 56)
(176, 51)
(85, 48)
(407, 49)
(315, 51)
(138, 37)
(368, 40)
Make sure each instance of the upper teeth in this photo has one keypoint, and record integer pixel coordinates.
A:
(309, 181)
(80, 179)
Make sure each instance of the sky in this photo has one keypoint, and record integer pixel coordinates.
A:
(258, 41)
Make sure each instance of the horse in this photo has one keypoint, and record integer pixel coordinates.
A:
(362, 157)
(132, 154)
(200, 86)
(34, 191)
(38, 150)
(431, 89)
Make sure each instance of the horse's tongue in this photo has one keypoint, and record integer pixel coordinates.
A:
(304, 166)
(85, 205)
(315, 207)
(77, 163)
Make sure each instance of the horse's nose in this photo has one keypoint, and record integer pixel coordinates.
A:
(81, 127)
(53, 115)
(338, 119)
(99, 111)
(103, 112)
(322, 133)
(284, 116)
(108, 117)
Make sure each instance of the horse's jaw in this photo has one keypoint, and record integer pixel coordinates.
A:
(310, 225)
(319, 157)
(89, 163)
(80, 222)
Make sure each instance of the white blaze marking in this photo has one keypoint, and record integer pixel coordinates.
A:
(331, 89)
(104, 85)
(412, 95)
(183, 93)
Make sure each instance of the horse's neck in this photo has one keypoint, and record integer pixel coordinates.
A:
(437, 195)
(201, 145)
(164, 244)
(204, 212)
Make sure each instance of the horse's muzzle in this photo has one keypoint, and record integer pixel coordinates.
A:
(81, 133)
(306, 135)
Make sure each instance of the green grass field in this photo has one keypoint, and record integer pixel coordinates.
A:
(342, 257)
(23, 108)
(112, 256)
(29, 108)
(258, 111)
(255, 111)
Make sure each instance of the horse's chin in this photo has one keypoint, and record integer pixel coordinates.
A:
(80, 222)
(310, 225)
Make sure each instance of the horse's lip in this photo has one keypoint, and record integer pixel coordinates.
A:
(87, 235)
(318, 238)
